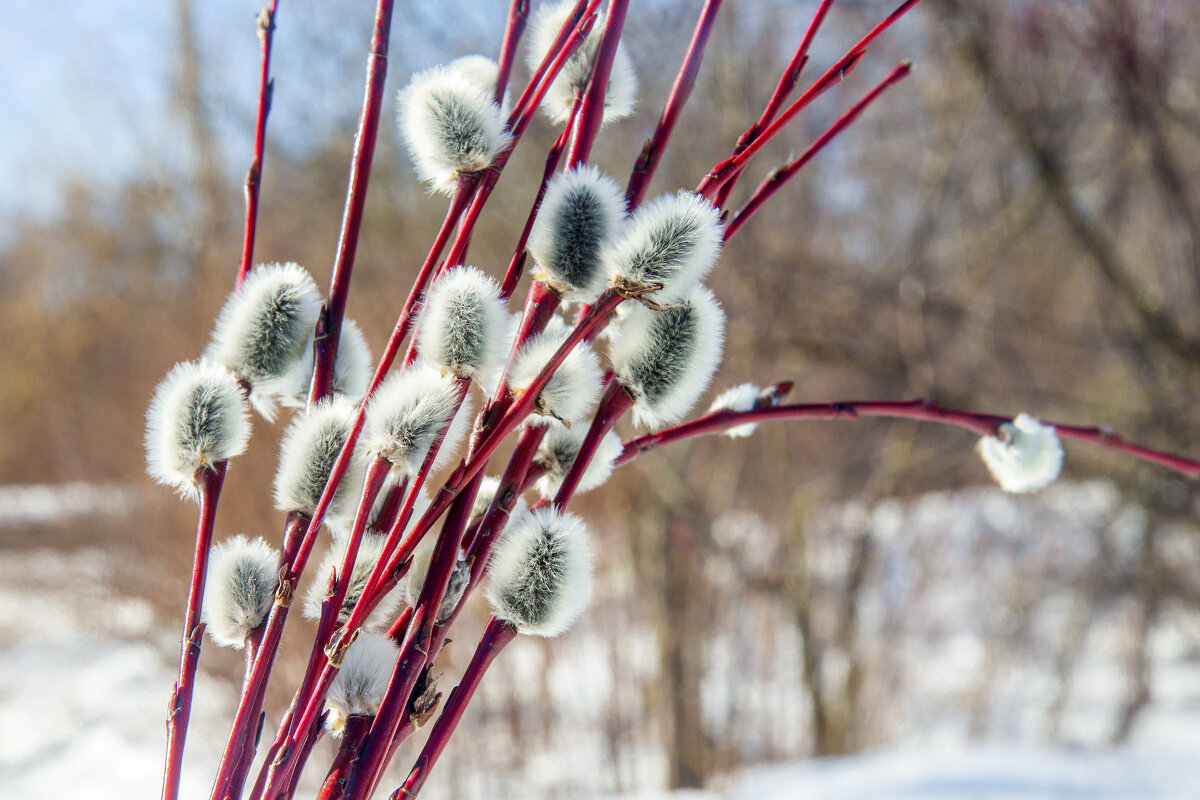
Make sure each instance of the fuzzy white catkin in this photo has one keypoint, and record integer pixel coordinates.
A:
(418, 570)
(198, 417)
(572, 389)
(485, 495)
(451, 126)
(673, 240)
(540, 575)
(1027, 455)
(463, 323)
(240, 589)
(581, 214)
(557, 452)
(358, 687)
(306, 456)
(667, 358)
(739, 398)
(264, 326)
(408, 412)
(484, 72)
(370, 549)
(621, 93)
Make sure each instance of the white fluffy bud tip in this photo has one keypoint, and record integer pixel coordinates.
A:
(370, 549)
(463, 325)
(667, 358)
(265, 325)
(557, 452)
(306, 457)
(621, 93)
(540, 576)
(667, 247)
(242, 577)
(407, 413)
(484, 72)
(1025, 456)
(580, 215)
(451, 126)
(573, 387)
(198, 417)
(740, 398)
(358, 687)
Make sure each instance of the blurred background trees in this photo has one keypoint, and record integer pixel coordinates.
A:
(1017, 227)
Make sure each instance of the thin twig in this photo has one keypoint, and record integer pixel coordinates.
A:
(920, 409)
(783, 174)
(266, 91)
(179, 711)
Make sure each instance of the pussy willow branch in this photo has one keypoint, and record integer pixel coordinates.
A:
(514, 28)
(724, 171)
(920, 409)
(496, 636)
(591, 110)
(323, 667)
(179, 710)
(647, 162)
(326, 345)
(266, 89)
(783, 90)
(783, 174)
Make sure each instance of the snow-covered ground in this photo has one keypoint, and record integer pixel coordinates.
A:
(85, 672)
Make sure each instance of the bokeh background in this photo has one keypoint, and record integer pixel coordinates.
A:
(1015, 227)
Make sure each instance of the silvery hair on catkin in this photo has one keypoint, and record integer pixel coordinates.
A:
(673, 240)
(557, 453)
(582, 212)
(667, 358)
(198, 417)
(463, 324)
(451, 126)
(263, 328)
(242, 577)
(358, 687)
(540, 575)
(306, 457)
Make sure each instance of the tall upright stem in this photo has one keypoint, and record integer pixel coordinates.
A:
(266, 90)
(356, 199)
(495, 637)
(179, 711)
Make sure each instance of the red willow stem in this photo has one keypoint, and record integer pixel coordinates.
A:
(518, 17)
(721, 173)
(919, 409)
(310, 697)
(517, 264)
(783, 90)
(296, 728)
(591, 112)
(681, 90)
(418, 649)
(570, 36)
(615, 402)
(783, 174)
(356, 198)
(254, 691)
(387, 720)
(266, 90)
(179, 711)
(353, 735)
(495, 637)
